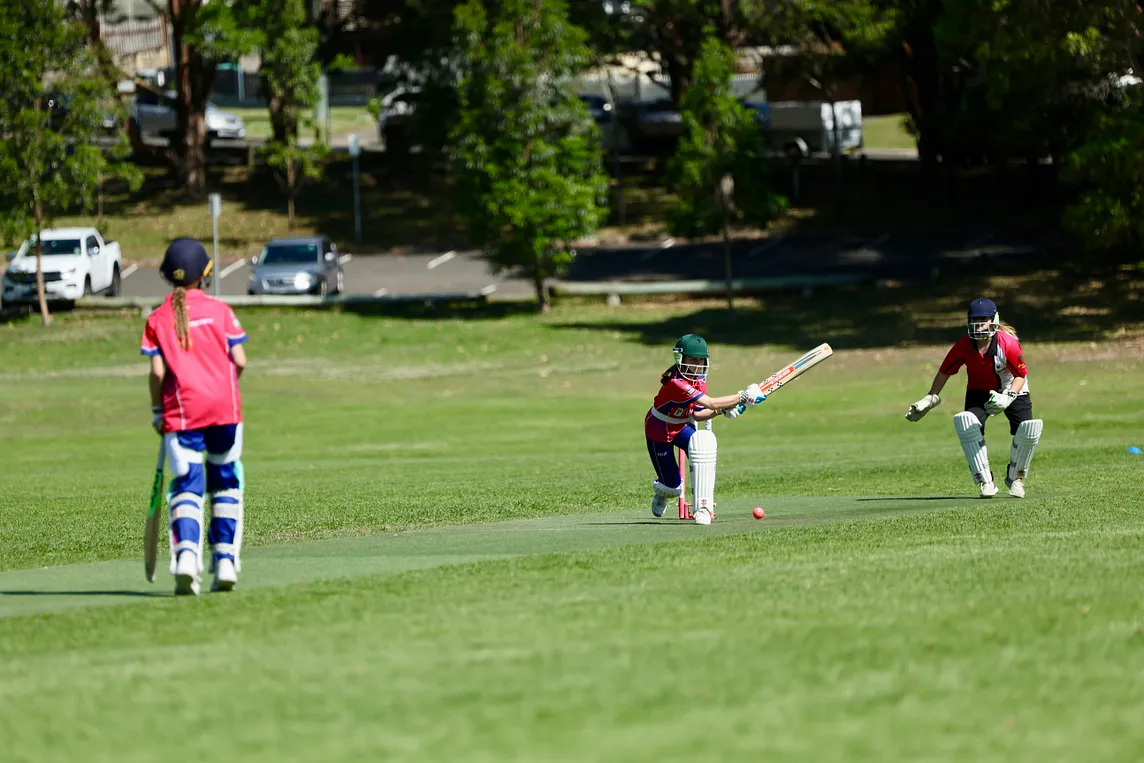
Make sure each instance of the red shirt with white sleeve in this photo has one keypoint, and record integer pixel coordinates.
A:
(1002, 362)
(200, 388)
(672, 408)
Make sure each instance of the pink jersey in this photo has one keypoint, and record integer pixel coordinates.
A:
(672, 408)
(1002, 362)
(201, 385)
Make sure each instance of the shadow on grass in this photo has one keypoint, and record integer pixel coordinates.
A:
(922, 498)
(1046, 303)
(150, 594)
(468, 310)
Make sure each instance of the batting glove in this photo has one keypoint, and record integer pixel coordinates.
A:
(157, 419)
(922, 407)
(752, 396)
(736, 412)
(999, 401)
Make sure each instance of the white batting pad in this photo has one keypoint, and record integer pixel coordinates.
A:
(972, 439)
(186, 506)
(1024, 443)
(701, 452)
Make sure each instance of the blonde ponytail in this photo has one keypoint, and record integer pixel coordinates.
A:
(182, 324)
(1008, 329)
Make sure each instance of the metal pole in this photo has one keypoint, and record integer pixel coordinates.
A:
(217, 278)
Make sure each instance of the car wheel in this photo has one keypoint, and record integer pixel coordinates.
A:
(323, 288)
(116, 282)
(87, 287)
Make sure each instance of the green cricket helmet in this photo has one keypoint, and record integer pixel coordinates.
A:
(694, 348)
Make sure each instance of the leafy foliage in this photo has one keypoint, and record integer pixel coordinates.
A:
(289, 41)
(50, 120)
(721, 142)
(1109, 170)
(525, 151)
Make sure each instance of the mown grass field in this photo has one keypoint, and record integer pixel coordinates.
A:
(450, 554)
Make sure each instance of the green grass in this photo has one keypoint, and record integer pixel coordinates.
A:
(450, 555)
(343, 120)
(887, 132)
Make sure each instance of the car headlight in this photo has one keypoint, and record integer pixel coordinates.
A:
(303, 281)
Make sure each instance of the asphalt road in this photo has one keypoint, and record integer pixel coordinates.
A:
(910, 257)
(379, 275)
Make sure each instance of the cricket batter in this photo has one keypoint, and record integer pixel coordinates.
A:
(998, 383)
(195, 345)
(682, 400)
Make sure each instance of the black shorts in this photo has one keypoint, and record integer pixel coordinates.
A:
(1018, 411)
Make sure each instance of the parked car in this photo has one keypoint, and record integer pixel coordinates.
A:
(77, 263)
(154, 114)
(801, 128)
(307, 265)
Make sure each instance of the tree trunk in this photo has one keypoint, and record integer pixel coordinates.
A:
(727, 262)
(836, 158)
(291, 192)
(193, 77)
(278, 118)
(541, 290)
(38, 217)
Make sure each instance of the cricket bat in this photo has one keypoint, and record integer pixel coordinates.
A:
(155, 518)
(796, 369)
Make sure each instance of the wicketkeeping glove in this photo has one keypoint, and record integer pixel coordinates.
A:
(999, 401)
(157, 419)
(922, 407)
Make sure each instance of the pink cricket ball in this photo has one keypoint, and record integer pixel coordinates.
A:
(759, 513)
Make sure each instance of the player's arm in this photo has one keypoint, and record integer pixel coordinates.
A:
(939, 381)
(238, 355)
(704, 414)
(158, 373)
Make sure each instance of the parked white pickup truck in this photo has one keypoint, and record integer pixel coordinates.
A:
(77, 263)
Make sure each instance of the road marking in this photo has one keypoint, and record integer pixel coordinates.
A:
(381, 292)
(488, 290)
(345, 258)
(230, 269)
(441, 260)
(130, 269)
(775, 241)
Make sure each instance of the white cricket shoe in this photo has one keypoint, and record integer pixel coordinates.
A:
(226, 576)
(988, 490)
(703, 516)
(658, 503)
(187, 574)
(1016, 487)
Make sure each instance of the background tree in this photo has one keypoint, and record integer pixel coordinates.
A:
(50, 121)
(525, 152)
(288, 42)
(203, 34)
(718, 171)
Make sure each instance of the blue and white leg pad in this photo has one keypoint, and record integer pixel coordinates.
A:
(226, 484)
(185, 499)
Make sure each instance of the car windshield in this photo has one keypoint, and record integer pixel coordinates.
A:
(58, 246)
(289, 254)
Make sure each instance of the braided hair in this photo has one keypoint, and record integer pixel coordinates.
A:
(182, 324)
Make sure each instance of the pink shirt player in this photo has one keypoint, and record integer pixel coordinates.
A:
(200, 388)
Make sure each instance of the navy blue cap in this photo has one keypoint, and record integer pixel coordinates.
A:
(982, 308)
(185, 262)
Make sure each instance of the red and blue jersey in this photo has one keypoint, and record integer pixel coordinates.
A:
(1002, 362)
(672, 408)
(200, 388)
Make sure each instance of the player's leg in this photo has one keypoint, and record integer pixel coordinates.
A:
(970, 428)
(185, 499)
(225, 485)
(667, 484)
(1026, 433)
(702, 449)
